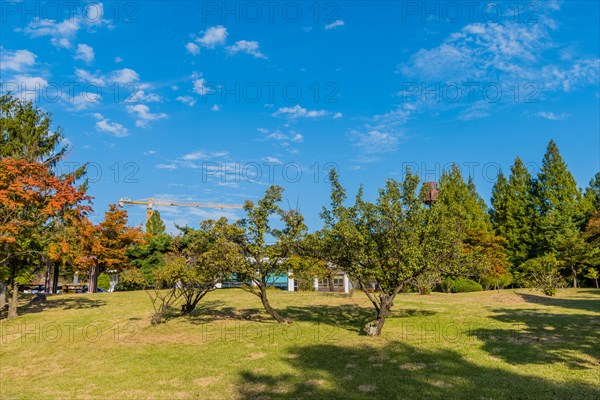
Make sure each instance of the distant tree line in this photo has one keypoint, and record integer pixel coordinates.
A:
(540, 231)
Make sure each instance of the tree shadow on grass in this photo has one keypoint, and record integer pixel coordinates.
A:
(397, 371)
(32, 304)
(347, 316)
(538, 337)
(586, 304)
(214, 310)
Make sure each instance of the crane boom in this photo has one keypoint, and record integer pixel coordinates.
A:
(150, 203)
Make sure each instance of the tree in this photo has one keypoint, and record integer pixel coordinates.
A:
(26, 134)
(163, 291)
(391, 243)
(32, 201)
(210, 256)
(566, 242)
(542, 273)
(513, 213)
(115, 239)
(555, 190)
(264, 262)
(155, 225)
(591, 198)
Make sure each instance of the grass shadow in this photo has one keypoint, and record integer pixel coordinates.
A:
(538, 337)
(396, 371)
(575, 304)
(349, 317)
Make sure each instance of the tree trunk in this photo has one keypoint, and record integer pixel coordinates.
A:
(48, 281)
(271, 310)
(93, 281)
(574, 277)
(597, 283)
(3, 295)
(55, 278)
(12, 306)
(374, 328)
(330, 281)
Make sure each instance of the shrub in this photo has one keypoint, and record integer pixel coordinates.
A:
(462, 285)
(490, 282)
(131, 279)
(447, 284)
(103, 281)
(542, 273)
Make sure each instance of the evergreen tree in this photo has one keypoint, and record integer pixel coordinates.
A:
(513, 214)
(556, 189)
(556, 192)
(463, 198)
(591, 199)
(155, 225)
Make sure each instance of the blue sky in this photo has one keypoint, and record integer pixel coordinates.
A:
(191, 100)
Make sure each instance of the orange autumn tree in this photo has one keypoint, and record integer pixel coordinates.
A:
(33, 202)
(74, 248)
(115, 238)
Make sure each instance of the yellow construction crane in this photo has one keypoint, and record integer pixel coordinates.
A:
(149, 203)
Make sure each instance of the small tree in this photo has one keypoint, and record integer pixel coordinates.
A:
(264, 262)
(542, 273)
(390, 244)
(592, 273)
(163, 290)
(210, 257)
(32, 201)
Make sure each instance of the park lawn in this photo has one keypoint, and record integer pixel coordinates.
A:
(511, 344)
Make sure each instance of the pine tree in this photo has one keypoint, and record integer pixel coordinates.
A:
(155, 225)
(463, 198)
(513, 213)
(555, 191)
(556, 188)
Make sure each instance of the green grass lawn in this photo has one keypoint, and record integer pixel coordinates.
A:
(486, 345)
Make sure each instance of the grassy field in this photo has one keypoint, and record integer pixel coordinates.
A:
(486, 345)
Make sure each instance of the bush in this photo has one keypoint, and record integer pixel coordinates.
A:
(131, 279)
(103, 281)
(542, 273)
(489, 282)
(462, 285)
(447, 284)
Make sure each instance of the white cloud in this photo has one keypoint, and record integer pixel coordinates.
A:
(166, 166)
(335, 24)
(29, 87)
(376, 142)
(114, 128)
(84, 53)
(197, 155)
(16, 60)
(144, 115)
(118, 60)
(149, 152)
(88, 77)
(192, 48)
(216, 107)
(213, 36)
(299, 112)
(297, 138)
(85, 100)
(200, 87)
(248, 47)
(61, 33)
(141, 96)
(189, 100)
(551, 116)
(337, 115)
(270, 159)
(124, 76)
